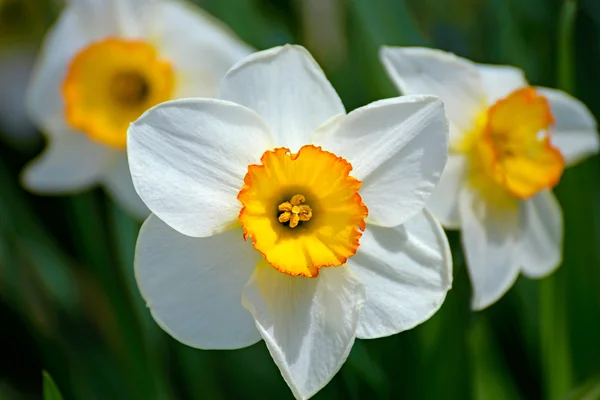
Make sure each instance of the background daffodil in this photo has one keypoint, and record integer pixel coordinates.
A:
(101, 66)
(332, 206)
(509, 144)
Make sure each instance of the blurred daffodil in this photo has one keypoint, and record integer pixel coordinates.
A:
(276, 160)
(103, 64)
(509, 144)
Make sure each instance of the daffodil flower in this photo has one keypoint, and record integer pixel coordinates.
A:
(102, 65)
(278, 216)
(509, 144)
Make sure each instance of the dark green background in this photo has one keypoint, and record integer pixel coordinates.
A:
(68, 300)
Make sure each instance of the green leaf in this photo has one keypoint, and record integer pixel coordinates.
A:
(88, 227)
(590, 390)
(51, 391)
(362, 365)
(253, 24)
(491, 378)
(565, 45)
(388, 22)
(52, 268)
(374, 24)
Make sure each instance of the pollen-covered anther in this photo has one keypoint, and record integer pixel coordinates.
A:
(294, 211)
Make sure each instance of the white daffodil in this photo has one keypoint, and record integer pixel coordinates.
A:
(509, 144)
(103, 64)
(276, 160)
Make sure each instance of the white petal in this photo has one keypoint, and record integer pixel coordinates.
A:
(44, 97)
(201, 48)
(308, 324)
(118, 183)
(574, 132)
(193, 286)
(542, 242)
(288, 89)
(397, 148)
(102, 18)
(188, 159)
(443, 203)
(70, 163)
(490, 241)
(453, 79)
(501, 80)
(407, 271)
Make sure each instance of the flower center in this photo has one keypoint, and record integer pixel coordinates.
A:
(129, 88)
(293, 211)
(110, 83)
(294, 237)
(510, 153)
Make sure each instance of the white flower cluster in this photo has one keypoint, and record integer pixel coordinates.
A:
(222, 138)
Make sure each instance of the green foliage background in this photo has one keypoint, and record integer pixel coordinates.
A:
(68, 299)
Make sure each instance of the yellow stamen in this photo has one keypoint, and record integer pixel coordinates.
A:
(294, 211)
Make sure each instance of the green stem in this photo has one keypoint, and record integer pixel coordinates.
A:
(554, 340)
(490, 377)
(555, 349)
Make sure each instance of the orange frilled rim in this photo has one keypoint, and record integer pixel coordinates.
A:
(514, 150)
(332, 233)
